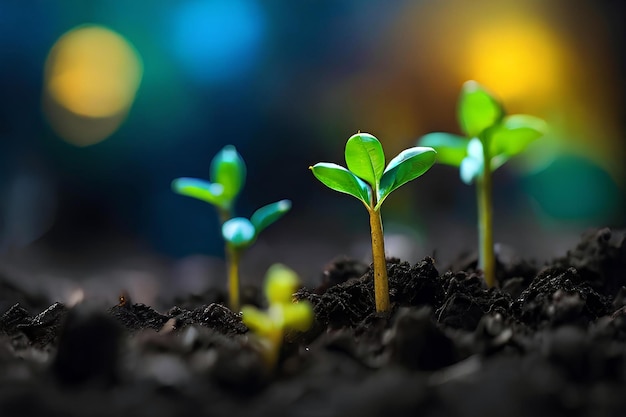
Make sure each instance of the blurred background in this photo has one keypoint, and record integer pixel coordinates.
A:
(103, 103)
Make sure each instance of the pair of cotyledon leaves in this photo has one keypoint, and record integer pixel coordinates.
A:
(484, 123)
(227, 177)
(366, 177)
(280, 284)
(241, 232)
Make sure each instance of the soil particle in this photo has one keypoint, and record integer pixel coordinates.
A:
(88, 349)
(214, 316)
(44, 328)
(556, 297)
(467, 300)
(136, 317)
(12, 318)
(418, 343)
(340, 270)
(600, 259)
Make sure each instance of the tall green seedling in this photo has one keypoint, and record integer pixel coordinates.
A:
(369, 181)
(227, 177)
(490, 139)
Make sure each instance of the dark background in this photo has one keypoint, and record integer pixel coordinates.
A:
(287, 83)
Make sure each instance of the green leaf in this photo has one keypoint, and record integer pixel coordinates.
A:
(365, 157)
(298, 316)
(280, 284)
(473, 164)
(514, 134)
(340, 179)
(258, 321)
(408, 165)
(202, 190)
(229, 170)
(239, 232)
(497, 161)
(477, 109)
(451, 149)
(268, 214)
(470, 169)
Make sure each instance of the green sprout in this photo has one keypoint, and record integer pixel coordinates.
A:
(282, 313)
(490, 136)
(239, 233)
(228, 175)
(368, 180)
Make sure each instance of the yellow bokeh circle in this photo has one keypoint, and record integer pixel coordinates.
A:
(92, 71)
(517, 59)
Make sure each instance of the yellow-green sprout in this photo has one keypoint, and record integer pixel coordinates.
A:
(490, 139)
(282, 314)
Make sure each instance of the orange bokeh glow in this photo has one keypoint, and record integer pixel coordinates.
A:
(92, 75)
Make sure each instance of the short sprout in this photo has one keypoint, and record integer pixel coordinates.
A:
(282, 313)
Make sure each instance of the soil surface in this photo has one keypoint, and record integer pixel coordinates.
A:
(549, 340)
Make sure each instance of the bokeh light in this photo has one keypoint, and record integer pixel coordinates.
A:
(217, 40)
(516, 57)
(288, 86)
(573, 189)
(91, 78)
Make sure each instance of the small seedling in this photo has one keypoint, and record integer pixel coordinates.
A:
(239, 233)
(368, 180)
(282, 313)
(228, 175)
(490, 136)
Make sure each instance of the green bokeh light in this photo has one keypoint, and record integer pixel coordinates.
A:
(573, 188)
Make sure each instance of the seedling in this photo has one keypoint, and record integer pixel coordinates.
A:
(368, 180)
(228, 175)
(239, 233)
(490, 136)
(282, 313)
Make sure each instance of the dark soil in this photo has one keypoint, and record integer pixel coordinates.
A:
(550, 340)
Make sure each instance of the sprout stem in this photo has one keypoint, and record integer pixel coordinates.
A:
(233, 256)
(224, 214)
(486, 258)
(381, 284)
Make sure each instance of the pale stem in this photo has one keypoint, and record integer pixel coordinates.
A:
(233, 256)
(381, 284)
(486, 258)
(224, 214)
(232, 259)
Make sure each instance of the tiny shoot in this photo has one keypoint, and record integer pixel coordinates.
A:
(490, 139)
(282, 313)
(239, 233)
(368, 180)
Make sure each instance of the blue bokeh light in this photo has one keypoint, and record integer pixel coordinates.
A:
(218, 40)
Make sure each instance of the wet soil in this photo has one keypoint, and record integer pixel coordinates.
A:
(548, 340)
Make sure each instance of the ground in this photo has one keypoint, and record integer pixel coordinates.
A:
(548, 340)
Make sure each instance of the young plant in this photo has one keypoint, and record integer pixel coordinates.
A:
(368, 180)
(490, 139)
(239, 233)
(282, 313)
(228, 175)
